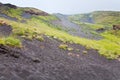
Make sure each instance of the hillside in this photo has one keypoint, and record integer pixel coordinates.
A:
(36, 45)
(98, 17)
(73, 28)
(98, 22)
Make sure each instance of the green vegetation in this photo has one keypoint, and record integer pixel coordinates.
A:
(115, 32)
(14, 12)
(11, 41)
(109, 46)
(99, 17)
(90, 28)
(106, 17)
(40, 25)
(89, 25)
(63, 46)
(70, 49)
(105, 46)
(40, 38)
(96, 20)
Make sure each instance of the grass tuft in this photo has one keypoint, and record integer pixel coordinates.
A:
(12, 42)
(40, 38)
(63, 46)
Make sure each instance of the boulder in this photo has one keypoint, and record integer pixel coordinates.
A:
(116, 27)
(100, 30)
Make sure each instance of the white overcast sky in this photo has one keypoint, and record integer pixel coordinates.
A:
(68, 6)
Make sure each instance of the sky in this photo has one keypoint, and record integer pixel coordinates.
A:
(68, 6)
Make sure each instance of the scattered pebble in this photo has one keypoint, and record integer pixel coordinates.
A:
(78, 55)
(85, 52)
(42, 47)
(15, 55)
(36, 60)
(70, 54)
(74, 55)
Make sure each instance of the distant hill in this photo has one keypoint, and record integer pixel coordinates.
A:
(98, 17)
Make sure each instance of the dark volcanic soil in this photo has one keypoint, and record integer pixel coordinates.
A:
(8, 17)
(45, 61)
(5, 30)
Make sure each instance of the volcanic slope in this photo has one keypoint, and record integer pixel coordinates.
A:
(31, 48)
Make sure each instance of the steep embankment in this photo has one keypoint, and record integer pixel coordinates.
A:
(31, 48)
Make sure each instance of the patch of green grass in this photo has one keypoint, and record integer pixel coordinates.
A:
(11, 41)
(114, 32)
(111, 37)
(91, 26)
(16, 13)
(70, 49)
(40, 38)
(2, 41)
(102, 45)
(87, 47)
(63, 46)
(106, 17)
(47, 18)
(99, 17)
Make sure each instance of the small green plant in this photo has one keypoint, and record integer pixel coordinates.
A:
(29, 37)
(87, 47)
(12, 42)
(2, 41)
(63, 46)
(19, 32)
(70, 49)
(40, 38)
